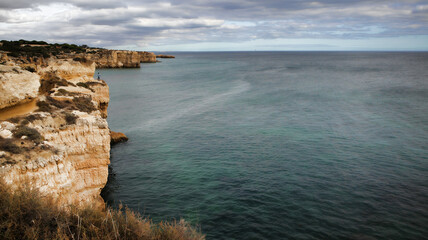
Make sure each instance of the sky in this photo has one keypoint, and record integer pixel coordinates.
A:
(221, 25)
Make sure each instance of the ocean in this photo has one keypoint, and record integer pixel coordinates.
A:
(275, 145)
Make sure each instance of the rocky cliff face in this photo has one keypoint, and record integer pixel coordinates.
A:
(17, 85)
(119, 58)
(64, 147)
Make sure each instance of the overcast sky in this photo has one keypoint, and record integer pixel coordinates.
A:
(210, 25)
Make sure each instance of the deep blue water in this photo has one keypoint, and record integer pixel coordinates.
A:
(297, 145)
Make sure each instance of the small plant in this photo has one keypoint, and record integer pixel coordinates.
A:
(79, 59)
(14, 120)
(84, 104)
(31, 133)
(33, 117)
(84, 85)
(70, 118)
(57, 103)
(44, 106)
(50, 80)
(8, 146)
(30, 69)
(24, 122)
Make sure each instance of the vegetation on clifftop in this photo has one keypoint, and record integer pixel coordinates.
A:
(38, 48)
(24, 214)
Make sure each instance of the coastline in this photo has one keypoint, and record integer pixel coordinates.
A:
(54, 131)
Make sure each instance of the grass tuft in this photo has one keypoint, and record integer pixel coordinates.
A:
(8, 146)
(31, 133)
(26, 215)
(44, 106)
(70, 118)
(84, 104)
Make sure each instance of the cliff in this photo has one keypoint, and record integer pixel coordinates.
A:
(119, 58)
(164, 56)
(36, 53)
(17, 85)
(63, 148)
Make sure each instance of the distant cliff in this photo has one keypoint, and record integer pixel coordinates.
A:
(37, 53)
(118, 58)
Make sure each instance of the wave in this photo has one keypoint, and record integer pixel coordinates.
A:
(197, 108)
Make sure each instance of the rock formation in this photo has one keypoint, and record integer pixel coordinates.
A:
(119, 58)
(164, 56)
(117, 137)
(53, 129)
(17, 85)
(64, 148)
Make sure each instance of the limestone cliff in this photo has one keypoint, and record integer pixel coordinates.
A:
(17, 85)
(119, 58)
(64, 147)
(26, 52)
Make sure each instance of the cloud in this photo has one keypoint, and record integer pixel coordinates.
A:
(153, 22)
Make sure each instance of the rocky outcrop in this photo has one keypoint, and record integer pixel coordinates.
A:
(119, 58)
(147, 57)
(64, 148)
(164, 56)
(117, 137)
(68, 69)
(76, 169)
(17, 85)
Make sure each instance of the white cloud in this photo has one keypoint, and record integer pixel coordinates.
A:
(134, 23)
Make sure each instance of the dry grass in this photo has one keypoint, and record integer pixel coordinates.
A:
(25, 215)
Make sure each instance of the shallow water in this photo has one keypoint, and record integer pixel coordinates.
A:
(255, 145)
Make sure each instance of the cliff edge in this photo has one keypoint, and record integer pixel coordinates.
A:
(61, 145)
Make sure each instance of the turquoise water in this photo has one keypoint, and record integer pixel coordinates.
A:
(275, 145)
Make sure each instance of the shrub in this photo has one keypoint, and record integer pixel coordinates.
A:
(79, 59)
(84, 104)
(70, 118)
(57, 103)
(85, 85)
(8, 146)
(30, 69)
(25, 214)
(24, 122)
(33, 117)
(43, 106)
(31, 133)
(14, 120)
(50, 80)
